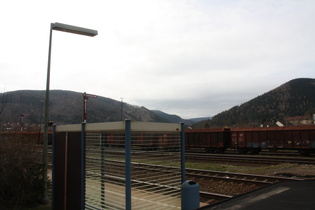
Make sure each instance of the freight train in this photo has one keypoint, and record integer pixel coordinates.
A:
(243, 140)
(253, 140)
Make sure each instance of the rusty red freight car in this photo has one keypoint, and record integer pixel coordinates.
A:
(253, 140)
(212, 140)
(31, 136)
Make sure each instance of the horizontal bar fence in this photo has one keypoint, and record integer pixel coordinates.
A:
(130, 165)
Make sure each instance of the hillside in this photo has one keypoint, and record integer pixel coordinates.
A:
(66, 107)
(176, 118)
(294, 98)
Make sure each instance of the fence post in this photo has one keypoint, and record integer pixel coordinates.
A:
(53, 167)
(182, 144)
(128, 164)
(83, 166)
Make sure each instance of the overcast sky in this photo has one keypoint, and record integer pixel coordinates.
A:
(190, 58)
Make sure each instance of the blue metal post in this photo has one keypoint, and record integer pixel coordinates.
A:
(53, 167)
(128, 163)
(83, 166)
(182, 144)
(103, 171)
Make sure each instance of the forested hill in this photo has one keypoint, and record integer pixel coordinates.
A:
(294, 98)
(66, 107)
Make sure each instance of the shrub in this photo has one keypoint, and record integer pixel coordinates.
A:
(20, 172)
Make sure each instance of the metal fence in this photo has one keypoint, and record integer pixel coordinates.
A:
(131, 165)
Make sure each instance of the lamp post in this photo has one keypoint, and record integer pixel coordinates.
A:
(68, 29)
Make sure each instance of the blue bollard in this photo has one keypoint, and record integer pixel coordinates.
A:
(190, 195)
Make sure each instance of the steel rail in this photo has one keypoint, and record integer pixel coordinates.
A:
(249, 158)
(148, 185)
(248, 178)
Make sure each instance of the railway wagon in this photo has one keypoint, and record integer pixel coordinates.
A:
(154, 141)
(31, 136)
(144, 140)
(114, 139)
(147, 141)
(212, 140)
(253, 140)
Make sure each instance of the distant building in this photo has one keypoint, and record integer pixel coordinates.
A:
(301, 120)
(278, 123)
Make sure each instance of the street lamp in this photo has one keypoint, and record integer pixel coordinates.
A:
(69, 29)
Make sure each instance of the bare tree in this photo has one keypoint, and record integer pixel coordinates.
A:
(3, 101)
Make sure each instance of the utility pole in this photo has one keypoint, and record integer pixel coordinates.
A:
(121, 108)
(22, 120)
(85, 98)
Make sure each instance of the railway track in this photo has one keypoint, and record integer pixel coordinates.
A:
(264, 152)
(235, 158)
(164, 189)
(218, 175)
(211, 182)
(206, 179)
(237, 177)
(151, 185)
(253, 159)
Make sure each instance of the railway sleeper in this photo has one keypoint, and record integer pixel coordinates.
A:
(251, 150)
(218, 150)
(305, 152)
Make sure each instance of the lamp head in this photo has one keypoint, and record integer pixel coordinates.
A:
(73, 29)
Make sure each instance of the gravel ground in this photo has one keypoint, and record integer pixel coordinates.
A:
(233, 189)
(224, 187)
(286, 169)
